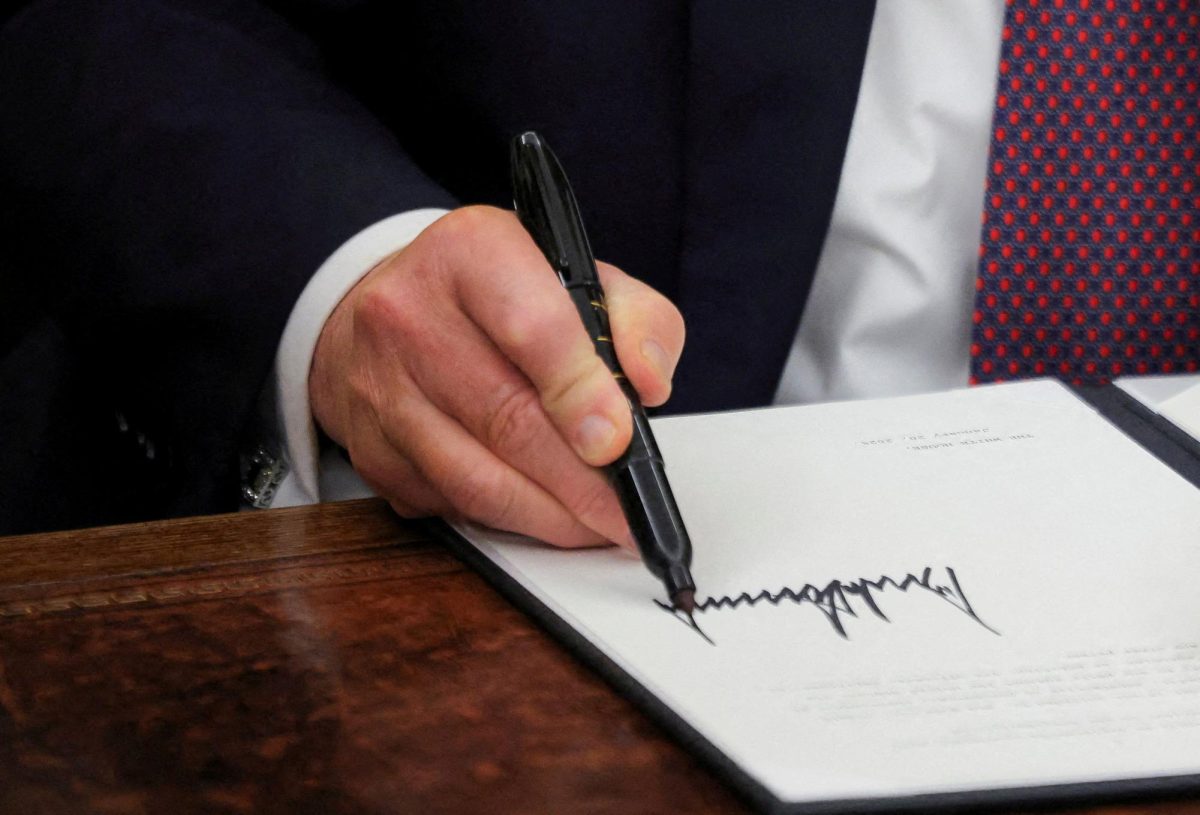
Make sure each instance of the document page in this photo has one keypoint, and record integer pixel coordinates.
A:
(1183, 410)
(976, 590)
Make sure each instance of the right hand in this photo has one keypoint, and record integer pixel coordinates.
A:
(459, 377)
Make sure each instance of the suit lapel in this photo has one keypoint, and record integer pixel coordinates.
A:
(771, 93)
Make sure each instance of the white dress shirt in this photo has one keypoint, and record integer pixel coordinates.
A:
(889, 311)
(890, 308)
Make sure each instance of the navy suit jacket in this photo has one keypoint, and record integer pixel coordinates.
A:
(172, 171)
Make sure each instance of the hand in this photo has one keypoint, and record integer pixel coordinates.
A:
(460, 379)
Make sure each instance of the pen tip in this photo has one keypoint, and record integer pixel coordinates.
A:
(685, 601)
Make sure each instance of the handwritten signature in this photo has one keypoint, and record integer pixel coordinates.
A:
(836, 598)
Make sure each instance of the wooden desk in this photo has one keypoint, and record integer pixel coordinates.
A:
(329, 659)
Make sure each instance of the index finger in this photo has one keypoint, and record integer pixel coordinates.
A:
(518, 302)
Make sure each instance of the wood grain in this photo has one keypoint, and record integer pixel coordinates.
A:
(314, 660)
(326, 660)
(196, 542)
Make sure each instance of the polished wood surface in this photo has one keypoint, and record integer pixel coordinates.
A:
(330, 659)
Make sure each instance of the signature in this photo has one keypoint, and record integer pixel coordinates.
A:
(837, 599)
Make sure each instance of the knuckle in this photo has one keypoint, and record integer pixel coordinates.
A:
(519, 331)
(384, 314)
(514, 420)
(465, 222)
(375, 307)
(483, 494)
(593, 503)
(469, 247)
(561, 392)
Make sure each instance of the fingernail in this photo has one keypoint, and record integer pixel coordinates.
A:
(595, 436)
(657, 356)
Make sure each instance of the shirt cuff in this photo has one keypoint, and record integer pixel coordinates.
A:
(336, 276)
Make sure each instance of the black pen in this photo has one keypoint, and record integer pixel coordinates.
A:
(547, 209)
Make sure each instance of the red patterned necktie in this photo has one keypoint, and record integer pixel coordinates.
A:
(1090, 250)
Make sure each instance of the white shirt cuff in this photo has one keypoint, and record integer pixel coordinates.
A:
(336, 276)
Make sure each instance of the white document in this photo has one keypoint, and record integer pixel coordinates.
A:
(1153, 391)
(1183, 410)
(1045, 629)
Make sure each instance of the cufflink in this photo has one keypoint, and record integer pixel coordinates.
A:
(262, 472)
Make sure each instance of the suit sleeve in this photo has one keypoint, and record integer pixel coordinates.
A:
(195, 164)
